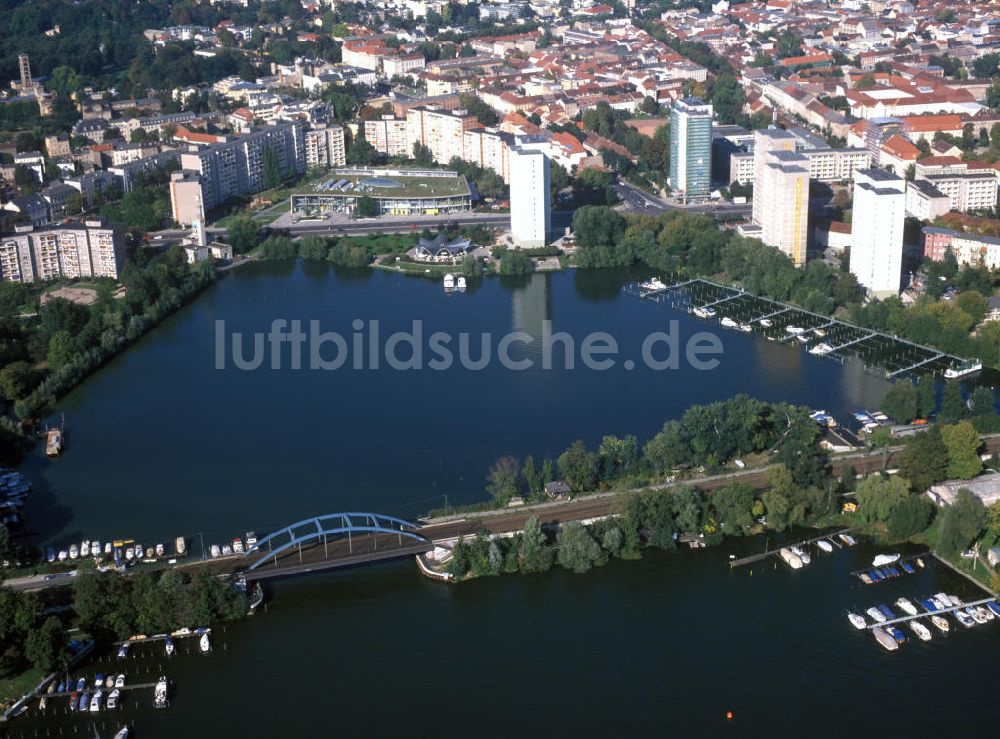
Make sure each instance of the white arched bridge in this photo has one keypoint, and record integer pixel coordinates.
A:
(333, 540)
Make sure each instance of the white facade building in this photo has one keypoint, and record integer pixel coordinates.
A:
(530, 206)
(877, 230)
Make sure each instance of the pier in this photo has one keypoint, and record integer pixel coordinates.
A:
(882, 354)
(831, 535)
(909, 558)
(943, 611)
(91, 688)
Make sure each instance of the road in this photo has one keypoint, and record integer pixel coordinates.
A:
(638, 200)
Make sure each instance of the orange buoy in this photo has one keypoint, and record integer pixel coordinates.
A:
(729, 715)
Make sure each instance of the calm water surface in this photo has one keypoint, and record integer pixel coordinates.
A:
(161, 444)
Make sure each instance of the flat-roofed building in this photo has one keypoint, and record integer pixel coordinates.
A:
(877, 230)
(74, 249)
(324, 147)
(403, 192)
(388, 136)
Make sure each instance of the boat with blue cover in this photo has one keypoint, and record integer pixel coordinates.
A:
(994, 606)
(84, 703)
(907, 568)
(927, 604)
(886, 611)
(896, 634)
(874, 576)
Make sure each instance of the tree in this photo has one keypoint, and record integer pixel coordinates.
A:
(366, 207)
(953, 406)
(314, 248)
(963, 443)
(532, 476)
(733, 506)
(504, 476)
(961, 522)
(617, 457)
(244, 234)
(535, 555)
(777, 507)
(577, 549)
(924, 460)
(578, 467)
(360, 153)
(728, 98)
(6, 544)
(61, 349)
(597, 226)
(17, 379)
(272, 169)
(45, 646)
(900, 401)
(878, 496)
(422, 155)
(926, 396)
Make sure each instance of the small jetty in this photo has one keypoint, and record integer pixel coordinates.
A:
(940, 612)
(55, 439)
(897, 568)
(830, 536)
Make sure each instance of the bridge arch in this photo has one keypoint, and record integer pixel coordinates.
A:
(332, 524)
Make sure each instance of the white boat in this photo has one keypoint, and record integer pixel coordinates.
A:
(63, 554)
(238, 545)
(964, 618)
(941, 623)
(170, 648)
(848, 539)
(460, 284)
(794, 330)
(906, 606)
(652, 285)
(180, 546)
(876, 614)
(123, 650)
(138, 551)
(204, 644)
(160, 550)
(941, 605)
(922, 632)
(120, 681)
(74, 551)
(704, 312)
(449, 282)
(215, 551)
(95, 548)
(766, 322)
(825, 545)
(160, 693)
(745, 328)
(802, 554)
(227, 551)
(963, 370)
(977, 615)
(819, 332)
(857, 620)
(251, 539)
(108, 548)
(728, 322)
(122, 733)
(953, 599)
(884, 559)
(821, 349)
(95, 701)
(85, 549)
(113, 699)
(790, 558)
(802, 338)
(883, 638)
(986, 612)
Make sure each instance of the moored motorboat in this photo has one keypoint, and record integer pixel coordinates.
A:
(994, 606)
(123, 650)
(704, 312)
(449, 282)
(745, 328)
(113, 697)
(886, 611)
(461, 284)
(790, 558)
(801, 554)
(109, 681)
(95, 701)
(941, 623)
(848, 539)
(955, 600)
(876, 615)
(120, 681)
(204, 644)
(896, 634)
(766, 322)
(169, 647)
(728, 322)
(906, 606)
(986, 612)
(215, 551)
(884, 559)
(84, 703)
(857, 620)
(824, 545)
(652, 285)
(964, 618)
(922, 632)
(99, 680)
(122, 733)
(794, 330)
(81, 684)
(977, 615)
(865, 578)
(907, 568)
(883, 638)
(251, 538)
(160, 693)
(821, 348)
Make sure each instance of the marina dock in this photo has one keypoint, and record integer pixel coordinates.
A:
(943, 611)
(830, 536)
(910, 558)
(882, 354)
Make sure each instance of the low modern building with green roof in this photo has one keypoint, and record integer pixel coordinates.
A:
(399, 192)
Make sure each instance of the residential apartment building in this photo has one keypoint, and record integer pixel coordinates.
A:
(488, 149)
(388, 136)
(442, 131)
(924, 201)
(781, 195)
(71, 250)
(325, 147)
(236, 167)
(691, 147)
(969, 249)
(974, 189)
(530, 203)
(764, 142)
(877, 230)
(825, 165)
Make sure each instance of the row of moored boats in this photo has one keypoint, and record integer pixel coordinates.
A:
(115, 551)
(797, 557)
(888, 566)
(934, 608)
(237, 546)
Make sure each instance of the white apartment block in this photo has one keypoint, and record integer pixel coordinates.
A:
(388, 136)
(70, 250)
(442, 131)
(530, 205)
(972, 190)
(325, 147)
(764, 142)
(925, 202)
(877, 230)
(488, 149)
(825, 165)
(781, 195)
